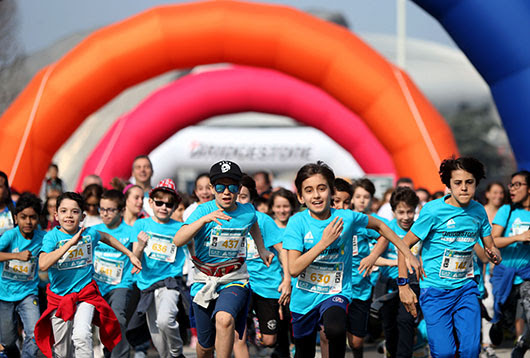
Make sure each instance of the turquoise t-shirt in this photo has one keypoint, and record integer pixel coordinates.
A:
(112, 269)
(20, 279)
(449, 234)
(161, 257)
(515, 255)
(361, 286)
(265, 280)
(331, 272)
(74, 270)
(218, 243)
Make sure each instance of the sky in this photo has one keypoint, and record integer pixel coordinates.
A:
(42, 23)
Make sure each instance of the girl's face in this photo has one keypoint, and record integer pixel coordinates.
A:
(316, 195)
(135, 201)
(202, 190)
(495, 195)
(92, 206)
(519, 190)
(361, 199)
(282, 209)
(244, 195)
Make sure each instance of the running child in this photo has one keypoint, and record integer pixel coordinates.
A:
(449, 228)
(74, 301)
(160, 280)
(319, 245)
(19, 248)
(220, 291)
(113, 269)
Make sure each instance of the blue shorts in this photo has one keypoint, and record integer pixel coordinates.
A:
(305, 324)
(448, 311)
(233, 300)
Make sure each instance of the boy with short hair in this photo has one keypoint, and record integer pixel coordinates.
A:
(74, 300)
(19, 281)
(160, 280)
(220, 289)
(112, 269)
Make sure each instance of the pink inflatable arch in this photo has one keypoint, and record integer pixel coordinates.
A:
(197, 97)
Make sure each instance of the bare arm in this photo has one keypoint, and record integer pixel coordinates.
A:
(265, 254)
(188, 231)
(47, 259)
(298, 262)
(492, 252)
(500, 242)
(381, 261)
(407, 296)
(22, 256)
(114, 243)
(285, 286)
(367, 264)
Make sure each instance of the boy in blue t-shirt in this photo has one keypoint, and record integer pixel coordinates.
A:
(220, 291)
(19, 248)
(449, 228)
(112, 269)
(160, 281)
(67, 254)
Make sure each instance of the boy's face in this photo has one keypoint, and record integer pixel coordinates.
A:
(341, 200)
(109, 212)
(316, 195)
(69, 215)
(163, 205)
(404, 215)
(27, 221)
(463, 186)
(226, 199)
(361, 199)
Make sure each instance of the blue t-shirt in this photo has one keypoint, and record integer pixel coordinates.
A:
(265, 280)
(517, 254)
(74, 270)
(112, 269)
(331, 272)
(449, 234)
(20, 279)
(217, 243)
(161, 257)
(361, 286)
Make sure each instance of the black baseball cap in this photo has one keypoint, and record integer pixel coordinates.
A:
(225, 169)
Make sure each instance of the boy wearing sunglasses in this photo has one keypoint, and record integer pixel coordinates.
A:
(160, 280)
(220, 290)
(112, 269)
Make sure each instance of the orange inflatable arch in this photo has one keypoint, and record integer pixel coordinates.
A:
(62, 95)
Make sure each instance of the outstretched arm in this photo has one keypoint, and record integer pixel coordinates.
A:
(188, 231)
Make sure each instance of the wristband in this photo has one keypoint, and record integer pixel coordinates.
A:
(402, 281)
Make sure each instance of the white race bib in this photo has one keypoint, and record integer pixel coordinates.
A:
(252, 249)
(161, 248)
(322, 277)
(519, 227)
(20, 270)
(227, 242)
(355, 251)
(457, 264)
(79, 255)
(416, 249)
(107, 270)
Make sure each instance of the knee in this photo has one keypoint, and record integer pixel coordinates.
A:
(224, 320)
(334, 329)
(165, 323)
(82, 335)
(268, 340)
(444, 352)
(355, 342)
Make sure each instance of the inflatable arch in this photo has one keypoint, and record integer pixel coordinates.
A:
(494, 36)
(114, 58)
(197, 97)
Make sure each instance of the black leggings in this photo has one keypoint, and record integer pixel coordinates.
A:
(334, 320)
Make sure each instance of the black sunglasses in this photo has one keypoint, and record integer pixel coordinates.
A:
(169, 204)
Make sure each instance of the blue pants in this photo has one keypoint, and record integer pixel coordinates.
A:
(28, 311)
(452, 312)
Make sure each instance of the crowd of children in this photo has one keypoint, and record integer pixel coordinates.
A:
(249, 263)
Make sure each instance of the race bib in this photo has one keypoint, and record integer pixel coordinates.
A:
(252, 249)
(355, 251)
(519, 227)
(322, 277)
(20, 270)
(457, 264)
(107, 270)
(228, 242)
(79, 255)
(416, 249)
(161, 248)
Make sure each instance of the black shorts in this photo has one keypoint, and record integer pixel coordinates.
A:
(267, 312)
(358, 314)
